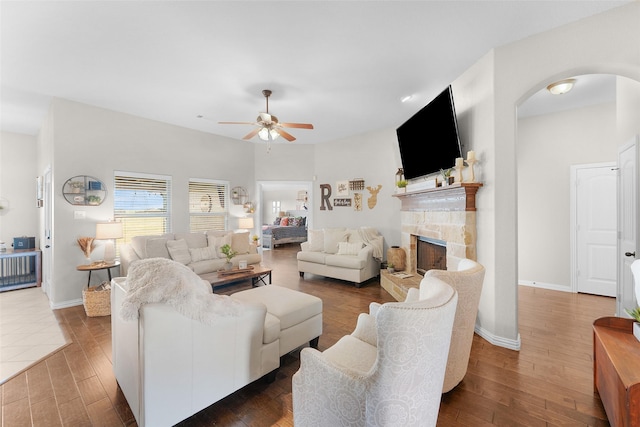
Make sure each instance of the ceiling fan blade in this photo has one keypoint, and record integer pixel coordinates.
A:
(236, 123)
(286, 135)
(297, 125)
(252, 133)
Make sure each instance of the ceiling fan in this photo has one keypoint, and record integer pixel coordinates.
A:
(268, 127)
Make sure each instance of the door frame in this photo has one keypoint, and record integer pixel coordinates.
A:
(573, 232)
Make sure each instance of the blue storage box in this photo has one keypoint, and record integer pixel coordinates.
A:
(24, 242)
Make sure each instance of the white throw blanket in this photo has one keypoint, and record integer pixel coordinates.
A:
(371, 237)
(166, 281)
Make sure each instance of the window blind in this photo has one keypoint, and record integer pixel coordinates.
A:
(142, 203)
(208, 205)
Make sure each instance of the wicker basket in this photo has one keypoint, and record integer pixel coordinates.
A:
(97, 301)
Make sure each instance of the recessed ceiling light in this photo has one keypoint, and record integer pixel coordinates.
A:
(561, 87)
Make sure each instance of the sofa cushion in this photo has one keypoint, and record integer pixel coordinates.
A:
(200, 254)
(331, 239)
(194, 240)
(240, 242)
(354, 236)
(179, 251)
(156, 248)
(346, 248)
(207, 265)
(309, 256)
(345, 261)
(316, 240)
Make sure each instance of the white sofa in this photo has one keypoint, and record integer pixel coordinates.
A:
(340, 253)
(170, 366)
(202, 254)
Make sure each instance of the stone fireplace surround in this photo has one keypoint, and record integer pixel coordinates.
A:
(444, 213)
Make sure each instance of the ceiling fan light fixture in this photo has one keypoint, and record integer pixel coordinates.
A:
(561, 87)
(274, 134)
(264, 134)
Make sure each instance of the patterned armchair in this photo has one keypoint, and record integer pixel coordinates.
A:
(389, 371)
(467, 281)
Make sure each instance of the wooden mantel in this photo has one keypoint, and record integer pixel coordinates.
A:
(456, 197)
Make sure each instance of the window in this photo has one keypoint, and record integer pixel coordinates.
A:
(208, 205)
(275, 206)
(142, 203)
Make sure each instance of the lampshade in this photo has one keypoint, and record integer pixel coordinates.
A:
(245, 223)
(108, 230)
(562, 86)
(266, 134)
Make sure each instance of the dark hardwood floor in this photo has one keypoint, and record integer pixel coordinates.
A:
(547, 383)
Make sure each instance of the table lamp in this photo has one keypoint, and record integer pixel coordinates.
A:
(245, 223)
(109, 231)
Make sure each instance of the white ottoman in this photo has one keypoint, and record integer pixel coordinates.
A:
(299, 314)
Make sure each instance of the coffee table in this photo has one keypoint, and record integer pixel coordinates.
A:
(257, 274)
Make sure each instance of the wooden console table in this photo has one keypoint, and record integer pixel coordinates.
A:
(616, 370)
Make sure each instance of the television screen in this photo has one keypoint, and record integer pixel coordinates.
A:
(429, 139)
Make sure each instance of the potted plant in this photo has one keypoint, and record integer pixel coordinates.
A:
(94, 200)
(447, 179)
(229, 253)
(255, 239)
(390, 268)
(402, 185)
(635, 313)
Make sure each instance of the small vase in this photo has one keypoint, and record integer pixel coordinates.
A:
(391, 270)
(228, 266)
(636, 330)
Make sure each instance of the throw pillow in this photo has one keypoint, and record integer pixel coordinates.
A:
(240, 242)
(332, 238)
(277, 221)
(201, 254)
(345, 248)
(179, 251)
(157, 248)
(218, 241)
(316, 240)
(284, 221)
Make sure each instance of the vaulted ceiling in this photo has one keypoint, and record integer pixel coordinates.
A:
(342, 65)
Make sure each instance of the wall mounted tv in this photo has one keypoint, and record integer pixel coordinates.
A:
(429, 139)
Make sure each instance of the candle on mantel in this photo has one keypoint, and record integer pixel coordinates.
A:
(459, 162)
(471, 155)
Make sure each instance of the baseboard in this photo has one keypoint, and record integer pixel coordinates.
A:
(542, 285)
(499, 341)
(65, 304)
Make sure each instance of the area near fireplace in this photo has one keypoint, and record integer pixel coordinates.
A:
(443, 220)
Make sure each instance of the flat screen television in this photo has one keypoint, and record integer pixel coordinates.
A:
(429, 140)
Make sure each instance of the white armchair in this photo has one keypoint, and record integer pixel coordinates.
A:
(389, 371)
(467, 281)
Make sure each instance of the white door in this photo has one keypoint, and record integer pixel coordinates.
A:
(628, 223)
(596, 225)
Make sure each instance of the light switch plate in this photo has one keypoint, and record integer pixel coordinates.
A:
(79, 214)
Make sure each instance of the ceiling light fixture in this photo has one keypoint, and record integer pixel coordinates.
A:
(267, 134)
(406, 98)
(561, 87)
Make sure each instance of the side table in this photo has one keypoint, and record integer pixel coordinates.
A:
(94, 266)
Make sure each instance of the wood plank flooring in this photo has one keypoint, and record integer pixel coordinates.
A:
(547, 383)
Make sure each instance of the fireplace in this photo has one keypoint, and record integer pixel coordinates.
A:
(430, 254)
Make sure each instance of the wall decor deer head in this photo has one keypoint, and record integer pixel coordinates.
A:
(373, 199)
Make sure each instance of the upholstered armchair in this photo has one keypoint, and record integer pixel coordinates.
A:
(388, 372)
(467, 281)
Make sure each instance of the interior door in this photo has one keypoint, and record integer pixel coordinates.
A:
(596, 226)
(628, 221)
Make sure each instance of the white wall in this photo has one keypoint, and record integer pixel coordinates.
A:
(374, 157)
(547, 146)
(94, 141)
(606, 43)
(18, 187)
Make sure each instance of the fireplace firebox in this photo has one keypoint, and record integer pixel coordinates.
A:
(430, 254)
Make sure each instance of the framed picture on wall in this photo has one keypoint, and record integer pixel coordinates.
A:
(342, 188)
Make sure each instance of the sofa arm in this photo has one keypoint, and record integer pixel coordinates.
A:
(304, 246)
(366, 253)
(127, 256)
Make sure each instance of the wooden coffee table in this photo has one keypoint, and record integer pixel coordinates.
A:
(257, 274)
